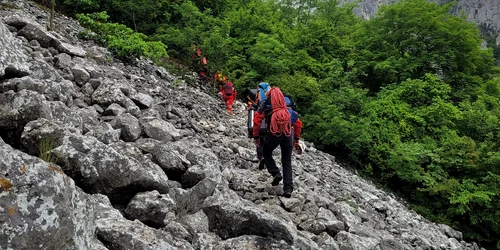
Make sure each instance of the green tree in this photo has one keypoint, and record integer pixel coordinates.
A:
(303, 89)
(408, 39)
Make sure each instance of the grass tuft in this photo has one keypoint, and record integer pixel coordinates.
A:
(46, 147)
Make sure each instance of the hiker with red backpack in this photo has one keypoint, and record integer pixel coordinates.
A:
(260, 96)
(228, 94)
(281, 123)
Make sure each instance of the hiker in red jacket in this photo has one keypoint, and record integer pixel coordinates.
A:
(228, 94)
(281, 123)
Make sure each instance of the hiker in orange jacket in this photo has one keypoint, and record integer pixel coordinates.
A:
(228, 94)
(283, 129)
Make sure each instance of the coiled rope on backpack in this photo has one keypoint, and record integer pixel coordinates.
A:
(280, 119)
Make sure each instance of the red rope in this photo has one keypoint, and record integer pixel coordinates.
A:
(280, 119)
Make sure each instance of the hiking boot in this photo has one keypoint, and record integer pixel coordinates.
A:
(287, 193)
(276, 180)
(262, 165)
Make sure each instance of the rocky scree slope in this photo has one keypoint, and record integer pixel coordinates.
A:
(141, 160)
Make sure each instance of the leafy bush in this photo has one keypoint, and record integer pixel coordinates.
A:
(124, 42)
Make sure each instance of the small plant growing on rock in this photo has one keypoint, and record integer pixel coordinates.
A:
(46, 146)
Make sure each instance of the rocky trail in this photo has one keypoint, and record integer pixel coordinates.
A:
(143, 160)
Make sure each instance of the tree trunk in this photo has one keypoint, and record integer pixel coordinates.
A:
(51, 18)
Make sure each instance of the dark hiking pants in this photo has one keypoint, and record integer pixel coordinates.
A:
(260, 148)
(286, 144)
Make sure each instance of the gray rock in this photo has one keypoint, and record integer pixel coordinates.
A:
(130, 127)
(205, 241)
(32, 31)
(80, 75)
(115, 110)
(16, 21)
(229, 218)
(325, 241)
(349, 241)
(40, 69)
(41, 206)
(17, 109)
(169, 158)
(159, 129)
(391, 244)
(101, 169)
(13, 59)
(196, 223)
(63, 60)
(177, 230)
(133, 235)
(107, 93)
(70, 49)
(142, 100)
(151, 208)
(312, 226)
(253, 242)
(191, 200)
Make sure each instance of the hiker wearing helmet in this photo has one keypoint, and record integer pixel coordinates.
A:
(220, 79)
(228, 94)
(281, 123)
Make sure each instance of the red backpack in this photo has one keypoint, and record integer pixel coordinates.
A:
(228, 88)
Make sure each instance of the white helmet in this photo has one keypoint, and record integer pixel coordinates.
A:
(299, 148)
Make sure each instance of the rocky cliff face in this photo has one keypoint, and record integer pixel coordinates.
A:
(485, 13)
(141, 160)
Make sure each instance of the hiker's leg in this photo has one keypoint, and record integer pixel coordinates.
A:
(260, 148)
(229, 104)
(270, 143)
(286, 161)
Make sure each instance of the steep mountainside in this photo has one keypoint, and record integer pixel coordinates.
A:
(140, 160)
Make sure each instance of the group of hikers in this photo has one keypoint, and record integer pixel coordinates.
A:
(225, 88)
(273, 122)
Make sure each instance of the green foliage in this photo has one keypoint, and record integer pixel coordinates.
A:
(269, 55)
(414, 37)
(80, 5)
(124, 42)
(304, 89)
(134, 46)
(411, 137)
(470, 193)
(192, 26)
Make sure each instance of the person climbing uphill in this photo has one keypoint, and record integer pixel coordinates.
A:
(199, 63)
(228, 94)
(281, 123)
(262, 89)
(220, 79)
